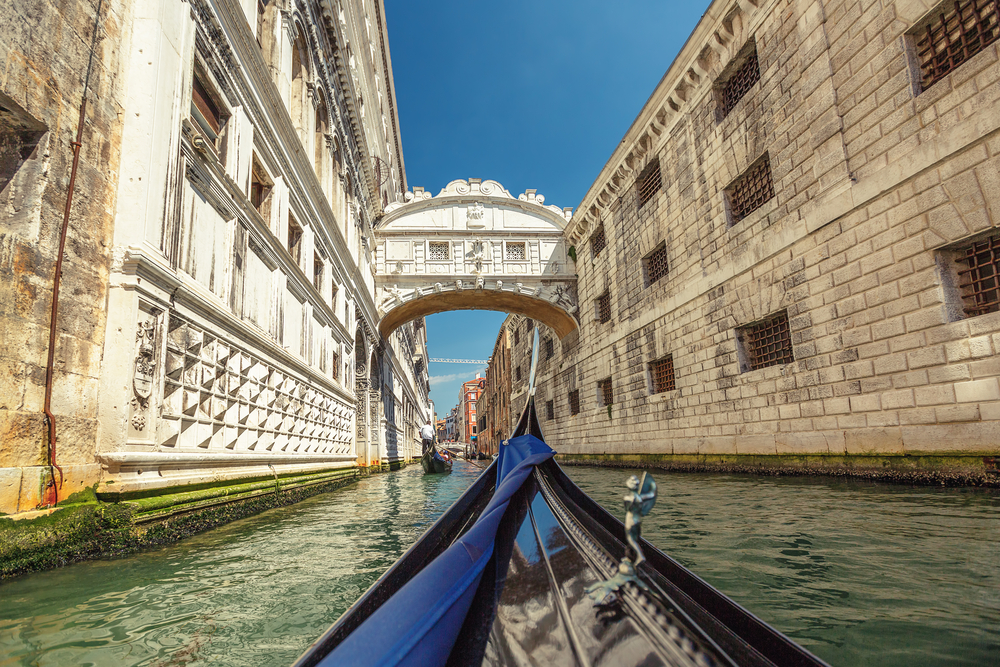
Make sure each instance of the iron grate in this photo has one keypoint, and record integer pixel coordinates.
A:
(598, 241)
(574, 402)
(604, 307)
(979, 278)
(656, 264)
(515, 252)
(607, 393)
(955, 33)
(662, 371)
(768, 343)
(751, 190)
(740, 82)
(438, 250)
(648, 183)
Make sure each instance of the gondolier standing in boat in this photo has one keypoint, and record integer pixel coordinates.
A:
(427, 435)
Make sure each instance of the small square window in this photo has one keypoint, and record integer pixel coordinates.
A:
(550, 410)
(952, 34)
(654, 264)
(648, 183)
(979, 276)
(750, 190)
(661, 373)
(598, 241)
(574, 402)
(766, 343)
(438, 250)
(605, 394)
(744, 74)
(514, 251)
(603, 307)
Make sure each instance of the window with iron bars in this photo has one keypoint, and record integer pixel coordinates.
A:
(648, 183)
(598, 241)
(517, 373)
(550, 348)
(954, 32)
(654, 265)
(605, 394)
(751, 190)
(766, 343)
(979, 276)
(550, 410)
(661, 372)
(603, 307)
(437, 250)
(574, 402)
(732, 89)
(514, 251)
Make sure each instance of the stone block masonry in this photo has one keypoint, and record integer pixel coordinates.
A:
(849, 309)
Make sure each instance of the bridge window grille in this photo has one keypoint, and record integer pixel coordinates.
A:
(598, 241)
(953, 33)
(751, 190)
(648, 183)
(574, 402)
(767, 343)
(438, 250)
(604, 307)
(739, 82)
(550, 348)
(979, 277)
(605, 394)
(550, 410)
(655, 264)
(514, 252)
(662, 372)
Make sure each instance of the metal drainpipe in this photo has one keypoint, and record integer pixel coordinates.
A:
(51, 490)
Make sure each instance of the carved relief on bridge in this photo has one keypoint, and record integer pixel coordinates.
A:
(475, 245)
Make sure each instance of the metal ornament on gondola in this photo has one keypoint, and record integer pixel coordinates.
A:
(639, 502)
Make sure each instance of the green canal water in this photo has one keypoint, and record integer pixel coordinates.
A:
(862, 574)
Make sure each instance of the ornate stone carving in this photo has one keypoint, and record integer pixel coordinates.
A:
(143, 371)
(474, 215)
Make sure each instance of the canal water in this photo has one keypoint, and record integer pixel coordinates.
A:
(862, 574)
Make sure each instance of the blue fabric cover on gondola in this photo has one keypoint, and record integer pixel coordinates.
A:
(419, 624)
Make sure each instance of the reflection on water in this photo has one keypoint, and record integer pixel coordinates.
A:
(254, 592)
(862, 574)
(859, 573)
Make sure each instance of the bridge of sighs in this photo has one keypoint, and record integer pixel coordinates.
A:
(474, 246)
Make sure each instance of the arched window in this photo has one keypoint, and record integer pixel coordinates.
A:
(299, 95)
(321, 161)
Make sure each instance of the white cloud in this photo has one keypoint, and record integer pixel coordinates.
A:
(440, 379)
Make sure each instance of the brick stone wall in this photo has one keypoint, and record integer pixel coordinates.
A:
(875, 182)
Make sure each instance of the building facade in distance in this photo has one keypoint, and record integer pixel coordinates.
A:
(467, 417)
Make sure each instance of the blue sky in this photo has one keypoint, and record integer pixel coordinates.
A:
(533, 94)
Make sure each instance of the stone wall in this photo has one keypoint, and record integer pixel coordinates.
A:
(44, 53)
(877, 180)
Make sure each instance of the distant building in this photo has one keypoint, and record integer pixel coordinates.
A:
(441, 429)
(467, 426)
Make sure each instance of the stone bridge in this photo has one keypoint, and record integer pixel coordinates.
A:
(474, 247)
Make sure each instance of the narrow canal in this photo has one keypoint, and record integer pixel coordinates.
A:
(862, 574)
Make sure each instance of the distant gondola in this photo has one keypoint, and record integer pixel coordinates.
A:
(503, 576)
(434, 461)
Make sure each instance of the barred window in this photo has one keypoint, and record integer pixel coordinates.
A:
(648, 183)
(655, 264)
(953, 33)
(739, 82)
(598, 241)
(517, 336)
(514, 251)
(662, 373)
(437, 250)
(550, 348)
(605, 394)
(528, 324)
(603, 307)
(574, 402)
(550, 410)
(979, 268)
(749, 192)
(767, 343)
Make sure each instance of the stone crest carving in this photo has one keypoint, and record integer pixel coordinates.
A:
(474, 215)
(142, 375)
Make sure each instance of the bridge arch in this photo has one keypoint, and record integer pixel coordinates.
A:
(474, 246)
